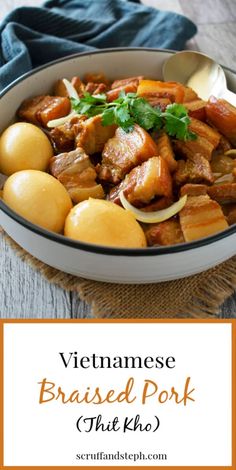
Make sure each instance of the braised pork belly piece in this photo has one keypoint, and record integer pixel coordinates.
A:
(196, 170)
(78, 85)
(172, 90)
(231, 217)
(92, 135)
(196, 109)
(145, 182)
(201, 217)
(41, 109)
(95, 88)
(60, 89)
(82, 132)
(203, 130)
(158, 204)
(222, 164)
(125, 151)
(189, 149)
(229, 211)
(70, 163)
(128, 85)
(165, 150)
(63, 137)
(175, 92)
(193, 189)
(164, 233)
(207, 141)
(223, 193)
(96, 83)
(224, 145)
(156, 101)
(126, 81)
(189, 95)
(76, 172)
(161, 94)
(112, 95)
(222, 115)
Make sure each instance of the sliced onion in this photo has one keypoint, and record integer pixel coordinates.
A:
(62, 120)
(228, 178)
(156, 216)
(231, 153)
(70, 89)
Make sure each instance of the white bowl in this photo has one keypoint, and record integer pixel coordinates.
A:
(146, 265)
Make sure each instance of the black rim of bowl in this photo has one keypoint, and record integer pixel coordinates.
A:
(99, 249)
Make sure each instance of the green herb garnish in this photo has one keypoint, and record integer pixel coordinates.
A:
(129, 109)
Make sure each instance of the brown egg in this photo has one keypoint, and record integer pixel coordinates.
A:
(104, 223)
(39, 197)
(24, 146)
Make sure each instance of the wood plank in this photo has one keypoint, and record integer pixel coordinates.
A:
(166, 5)
(79, 309)
(8, 5)
(218, 42)
(211, 11)
(192, 45)
(24, 293)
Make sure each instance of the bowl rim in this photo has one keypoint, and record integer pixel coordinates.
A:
(102, 249)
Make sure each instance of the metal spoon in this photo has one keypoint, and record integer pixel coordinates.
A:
(200, 72)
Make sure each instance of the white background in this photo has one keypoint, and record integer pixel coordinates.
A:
(197, 434)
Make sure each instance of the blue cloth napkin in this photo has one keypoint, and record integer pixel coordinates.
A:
(33, 36)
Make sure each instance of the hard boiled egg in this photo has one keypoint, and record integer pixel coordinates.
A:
(104, 223)
(24, 146)
(39, 197)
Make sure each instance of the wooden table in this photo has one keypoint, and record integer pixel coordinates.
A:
(23, 292)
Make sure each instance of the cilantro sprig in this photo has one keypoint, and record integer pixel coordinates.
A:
(130, 108)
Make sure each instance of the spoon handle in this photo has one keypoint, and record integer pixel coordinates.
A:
(229, 96)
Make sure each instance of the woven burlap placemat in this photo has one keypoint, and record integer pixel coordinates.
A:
(197, 296)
